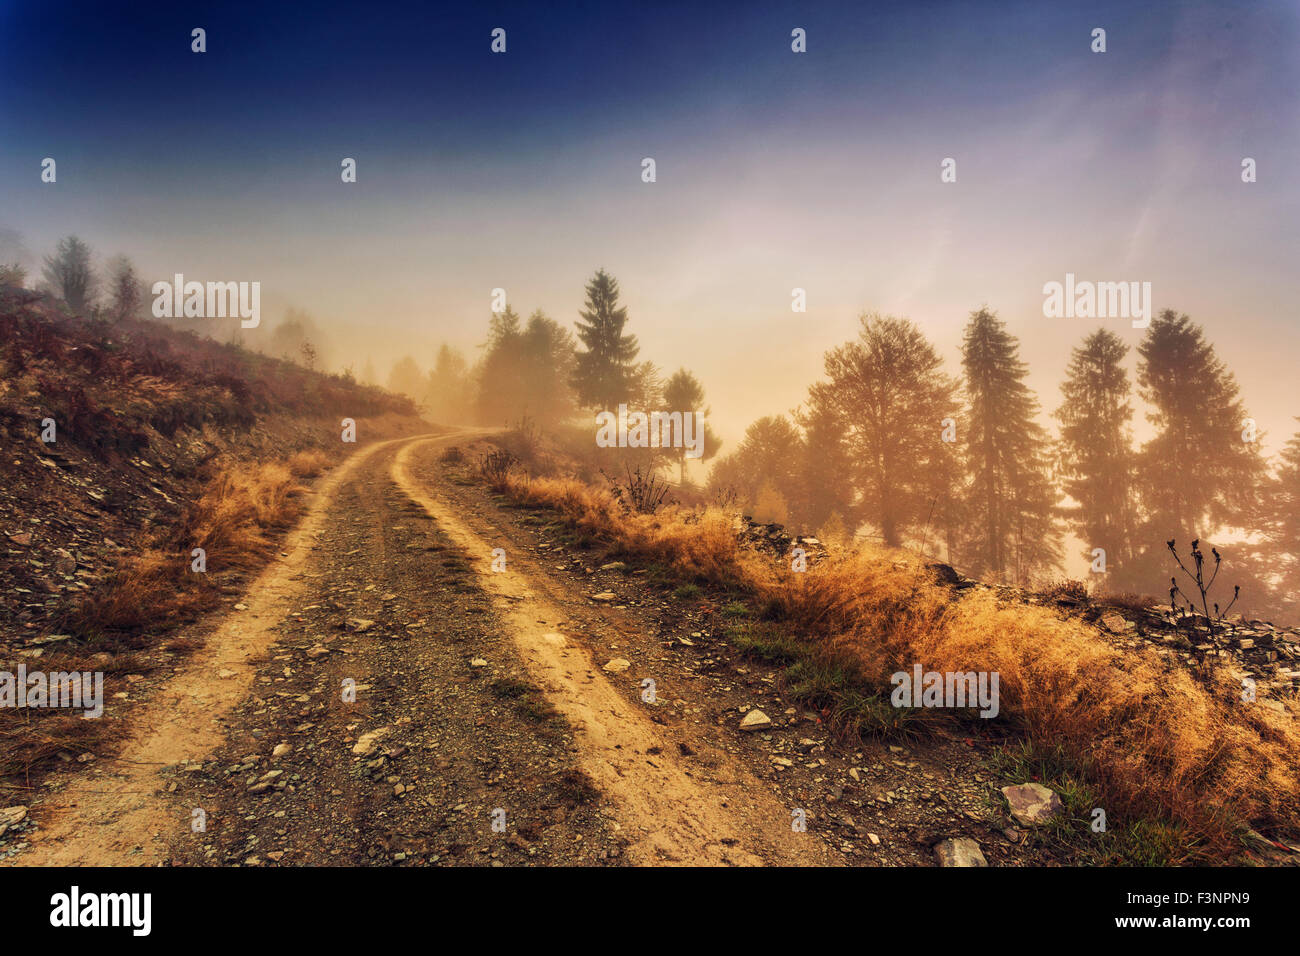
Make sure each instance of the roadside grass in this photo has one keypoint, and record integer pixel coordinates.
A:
(32, 738)
(1075, 831)
(1153, 741)
(831, 685)
(233, 522)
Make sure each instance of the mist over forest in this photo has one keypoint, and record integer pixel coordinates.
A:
(953, 455)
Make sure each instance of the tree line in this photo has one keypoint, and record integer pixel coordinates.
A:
(538, 372)
(888, 443)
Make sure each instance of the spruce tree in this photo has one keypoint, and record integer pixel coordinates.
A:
(501, 370)
(547, 358)
(1012, 499)
(1202, 469)
(1095, 449)
(70, 275)
(605, 373)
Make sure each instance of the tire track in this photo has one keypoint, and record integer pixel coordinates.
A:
(668, 815)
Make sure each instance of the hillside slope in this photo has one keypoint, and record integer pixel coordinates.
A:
(162, 441)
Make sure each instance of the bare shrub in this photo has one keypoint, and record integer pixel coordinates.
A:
(642, 491)
(1202, 585)
(494, 468)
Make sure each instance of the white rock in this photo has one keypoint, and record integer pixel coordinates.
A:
(1032, 803)
(963, 851)
(366, 742)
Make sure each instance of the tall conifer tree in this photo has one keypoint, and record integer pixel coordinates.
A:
(1095, 448)
(605, 373)
(1012, 498)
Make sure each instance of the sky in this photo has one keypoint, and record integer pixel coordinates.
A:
(774, 170)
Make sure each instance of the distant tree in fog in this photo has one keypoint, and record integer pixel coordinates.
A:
(1095, 452)
(12, 248)
(525, 371)
(604, 374)
(1201, 470)
(448, 394)
(1279, 526)
(14, 257)
(887, 395)
(684, 394)
(70, 274)
(125, 289)
(547, 358)
(297, 337)
(500, 370)
(12, 276)
(406, 378)
(771, 454)
(1011, 495)
(826, 469)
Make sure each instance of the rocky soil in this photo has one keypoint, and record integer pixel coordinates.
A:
(444, 678)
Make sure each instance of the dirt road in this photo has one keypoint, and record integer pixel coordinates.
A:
(382, 695)
(430, 676)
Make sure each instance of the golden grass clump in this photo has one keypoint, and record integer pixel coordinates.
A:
(308, 464)
(698, 544)
(232, 521)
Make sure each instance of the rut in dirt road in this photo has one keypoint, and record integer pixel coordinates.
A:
(671, 813)
(117, 816)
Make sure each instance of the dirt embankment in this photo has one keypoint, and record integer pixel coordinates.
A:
(125, 446)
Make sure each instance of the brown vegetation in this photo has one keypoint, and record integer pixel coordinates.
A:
(233, 522)
(1152, 738)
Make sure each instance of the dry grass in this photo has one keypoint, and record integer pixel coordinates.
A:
(31, 738)
(233, 521)
(239, 510)
(145, 588)
(1154, 739)
(308, 464)
(698, 544)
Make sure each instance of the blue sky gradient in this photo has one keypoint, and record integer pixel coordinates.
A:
(775, 170)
